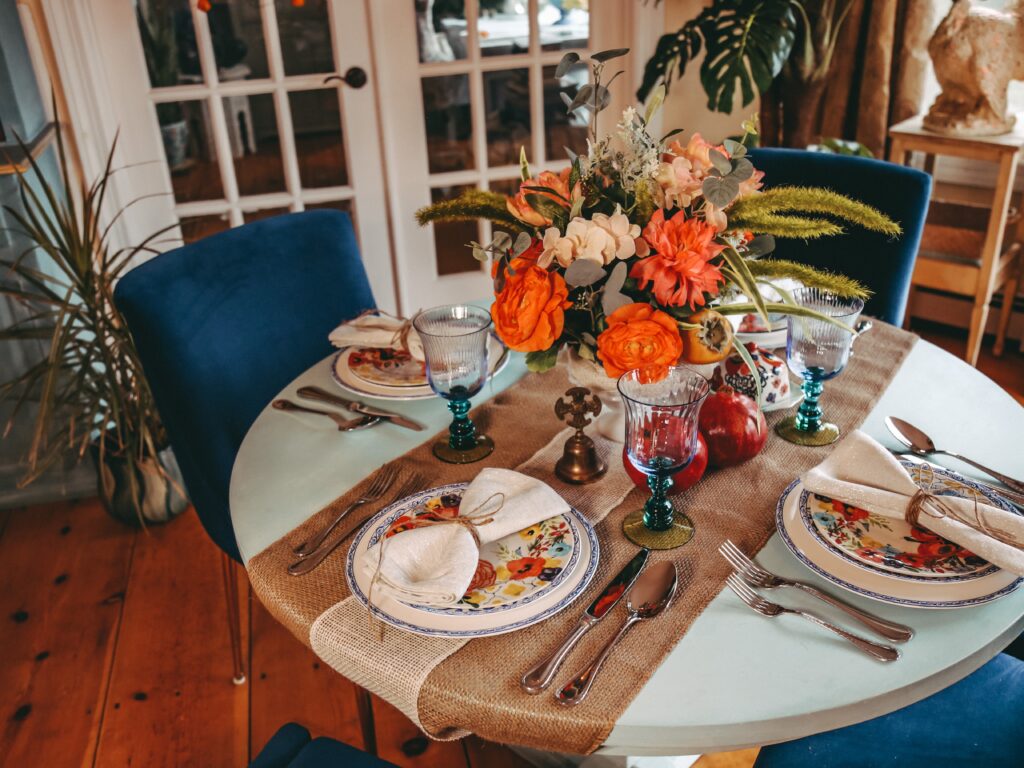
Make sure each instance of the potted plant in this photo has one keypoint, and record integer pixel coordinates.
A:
(90, 391)
(156, 28)
(750, 43)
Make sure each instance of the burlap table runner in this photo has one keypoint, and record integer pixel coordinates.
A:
(473, 686)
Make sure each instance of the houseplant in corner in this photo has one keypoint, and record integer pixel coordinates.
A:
(90, 391)
(156, 28)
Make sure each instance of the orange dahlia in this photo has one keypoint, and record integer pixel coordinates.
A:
(681, 268)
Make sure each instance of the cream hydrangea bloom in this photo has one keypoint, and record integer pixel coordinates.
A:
(602, 239)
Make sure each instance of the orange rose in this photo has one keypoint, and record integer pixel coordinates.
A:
(639, 336)
(529, 313)
(523, 211)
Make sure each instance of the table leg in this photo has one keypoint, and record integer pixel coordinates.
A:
(1009, 295)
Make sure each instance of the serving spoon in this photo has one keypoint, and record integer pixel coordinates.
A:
(921, 445)
(652, 593)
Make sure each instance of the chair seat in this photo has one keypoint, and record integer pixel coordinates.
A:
(975, 723)
(291, 747)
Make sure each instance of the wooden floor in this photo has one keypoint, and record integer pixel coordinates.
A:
(115, 651)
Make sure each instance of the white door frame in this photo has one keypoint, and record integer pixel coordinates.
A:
(102, 70)
(405, 142)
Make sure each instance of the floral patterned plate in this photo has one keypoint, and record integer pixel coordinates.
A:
(390, 367)
(895, 547)
(835, 565)
(520, 580)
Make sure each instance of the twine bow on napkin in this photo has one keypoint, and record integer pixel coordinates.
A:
(863, 473)
(378, 329)
(433, 561)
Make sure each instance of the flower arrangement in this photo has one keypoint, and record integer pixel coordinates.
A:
(635, 253)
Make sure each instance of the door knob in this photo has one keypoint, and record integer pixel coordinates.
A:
(354, 77)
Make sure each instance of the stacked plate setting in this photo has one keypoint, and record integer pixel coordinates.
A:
(887, 559)
(390, 375)
(521, 579)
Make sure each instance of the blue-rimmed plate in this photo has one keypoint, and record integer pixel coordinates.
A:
(521, 579)
(829, 563)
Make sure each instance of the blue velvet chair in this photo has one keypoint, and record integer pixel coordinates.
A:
(291, 747)
(883, 264)
(975, 723)
(221, 326)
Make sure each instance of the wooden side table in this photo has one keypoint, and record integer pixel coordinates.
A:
(997, 267)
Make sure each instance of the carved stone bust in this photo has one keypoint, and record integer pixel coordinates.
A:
(976, 52)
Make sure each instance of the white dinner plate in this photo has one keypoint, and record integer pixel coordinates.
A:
(516, 590)
(344, 377)
(823, 559)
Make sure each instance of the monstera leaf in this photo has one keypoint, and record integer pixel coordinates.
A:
(746, 44)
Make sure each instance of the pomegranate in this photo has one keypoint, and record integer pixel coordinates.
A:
(733, 426)
(685, 478)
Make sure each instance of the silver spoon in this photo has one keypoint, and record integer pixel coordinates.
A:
(920, 444)
(344, 425)
(651, 595)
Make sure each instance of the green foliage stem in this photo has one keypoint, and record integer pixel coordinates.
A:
(804, 200)
(471, 205)
(809, 276)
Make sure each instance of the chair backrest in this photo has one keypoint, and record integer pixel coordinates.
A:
(882, 263)
(223, 324)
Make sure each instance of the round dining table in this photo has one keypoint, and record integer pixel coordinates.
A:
(735, 679)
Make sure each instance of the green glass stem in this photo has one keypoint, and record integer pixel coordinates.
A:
(658, 509)
(462, 431)
(809, 415)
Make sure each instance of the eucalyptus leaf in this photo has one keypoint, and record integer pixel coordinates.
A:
(760, 246)
(501, 241)
(566, 99)
(720, 161)
(583, 272)
(566, 63)
(602, 97)
(479, 253)
(583, 95)
(617, 278)
(586, 352)
(523, 241)
(742, 169)
(612, 53)
(613, 300)
(720, 191)
(735, 149)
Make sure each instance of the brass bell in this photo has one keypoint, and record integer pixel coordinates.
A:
(580, 463)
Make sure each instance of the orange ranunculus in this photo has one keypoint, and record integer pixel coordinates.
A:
(639, 336)
(529, 312)
(681, 267)
(522, 210)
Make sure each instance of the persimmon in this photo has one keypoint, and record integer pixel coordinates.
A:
(710, 342)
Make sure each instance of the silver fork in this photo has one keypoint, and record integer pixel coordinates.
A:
(383, 480)
(771, 610)
(307, 564)
(756, 576)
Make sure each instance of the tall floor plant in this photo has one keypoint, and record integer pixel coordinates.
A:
(90, 392)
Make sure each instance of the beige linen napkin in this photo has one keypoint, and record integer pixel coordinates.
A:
(378, 331)
(863, 473)
(434, 565)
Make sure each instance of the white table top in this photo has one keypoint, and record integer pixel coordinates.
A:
(736, 679)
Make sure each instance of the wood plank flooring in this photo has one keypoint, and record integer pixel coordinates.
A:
(115, 651)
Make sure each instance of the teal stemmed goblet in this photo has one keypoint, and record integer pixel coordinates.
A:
(817, 351)
(455, 346)
(661, 439)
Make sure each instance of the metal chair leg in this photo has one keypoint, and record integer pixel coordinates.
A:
(364, 706)
(234, 618)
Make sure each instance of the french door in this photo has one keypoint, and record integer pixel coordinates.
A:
(233, 117)
(463, 85)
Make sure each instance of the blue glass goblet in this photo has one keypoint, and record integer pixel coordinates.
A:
(817, 351)
(661, 439)
(455, 346)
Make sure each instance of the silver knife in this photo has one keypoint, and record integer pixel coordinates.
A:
(540, 677)
(316, 393)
